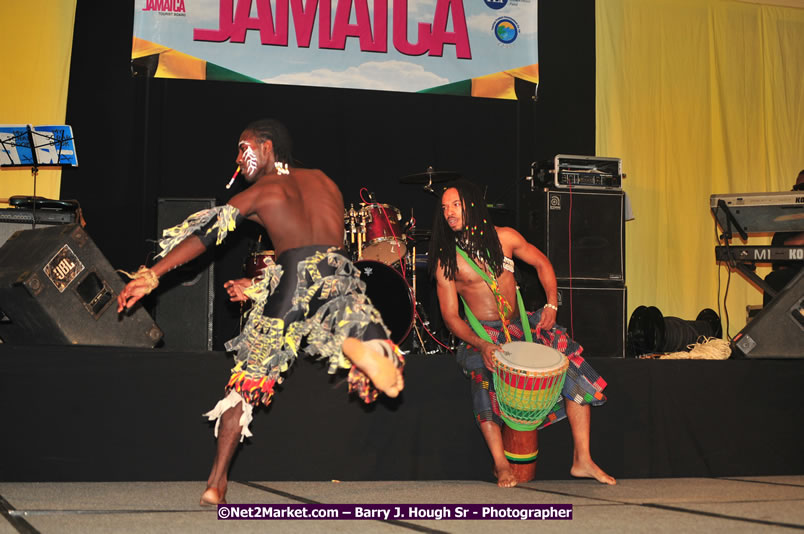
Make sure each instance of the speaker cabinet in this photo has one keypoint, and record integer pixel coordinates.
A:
(778, 330)
(581, 232)
(184, 302)
(595, 318)
(56, 288)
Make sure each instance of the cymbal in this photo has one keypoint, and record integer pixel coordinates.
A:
(429, 177)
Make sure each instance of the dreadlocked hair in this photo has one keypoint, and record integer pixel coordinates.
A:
(478, 237)
(274, 130)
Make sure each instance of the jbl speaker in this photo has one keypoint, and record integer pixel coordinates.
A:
(595, 318)
(57, 288)
(582, 233)
(185, 298)
(778, 330)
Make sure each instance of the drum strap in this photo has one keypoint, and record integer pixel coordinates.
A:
(501, 305)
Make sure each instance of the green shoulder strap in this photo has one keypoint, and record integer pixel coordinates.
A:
(473, 322)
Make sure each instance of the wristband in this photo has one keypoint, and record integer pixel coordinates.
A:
(151, 280)
(551, 306)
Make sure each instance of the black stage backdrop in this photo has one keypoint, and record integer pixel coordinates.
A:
(141, 139)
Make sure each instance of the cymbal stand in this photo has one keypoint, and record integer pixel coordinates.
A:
(421, 321)
(351, 227)
(424, 321)
(417, 305)
(413, 271)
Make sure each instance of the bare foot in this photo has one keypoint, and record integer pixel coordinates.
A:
(505, 477)
(381, 371)
(212, 497)
(589, 469)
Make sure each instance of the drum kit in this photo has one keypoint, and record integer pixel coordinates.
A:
(388, 252)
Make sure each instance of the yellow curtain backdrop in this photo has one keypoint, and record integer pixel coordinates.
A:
(697, 97)
(36, 38)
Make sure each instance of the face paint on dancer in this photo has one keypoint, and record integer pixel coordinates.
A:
(249, 159)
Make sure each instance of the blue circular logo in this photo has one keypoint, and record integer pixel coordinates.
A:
(496, 4)
(506, 30)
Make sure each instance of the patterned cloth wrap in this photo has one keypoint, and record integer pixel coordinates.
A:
(328, 305)
(315, 292)
(582, 385)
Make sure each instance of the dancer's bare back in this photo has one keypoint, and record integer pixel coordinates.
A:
(298, 209)
(306, 208)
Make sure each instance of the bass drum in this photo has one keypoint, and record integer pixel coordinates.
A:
(391, 295)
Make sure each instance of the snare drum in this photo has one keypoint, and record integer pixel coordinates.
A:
(385, 241)
(528, 378)
(391, 295)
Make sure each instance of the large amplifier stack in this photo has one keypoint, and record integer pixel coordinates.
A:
(573, 210)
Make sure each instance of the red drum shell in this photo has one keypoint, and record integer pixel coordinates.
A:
(385, 241)
(256, 262)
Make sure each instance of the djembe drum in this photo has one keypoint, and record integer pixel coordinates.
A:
(528, 378)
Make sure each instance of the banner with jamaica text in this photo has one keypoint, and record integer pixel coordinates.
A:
(468, 47)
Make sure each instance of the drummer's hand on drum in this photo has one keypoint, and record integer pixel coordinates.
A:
(548, 319)
(235, 289)
(488, 350)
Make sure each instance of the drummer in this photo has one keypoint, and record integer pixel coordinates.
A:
(464, 222)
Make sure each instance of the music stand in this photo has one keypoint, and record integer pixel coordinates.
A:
(23, 145)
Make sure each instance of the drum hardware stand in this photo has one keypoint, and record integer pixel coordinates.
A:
(413, 271)
(351, 215)
(421, 317)
(243, 312)
(419, 340)
(418, 308)
(245, 307)
(361, 234)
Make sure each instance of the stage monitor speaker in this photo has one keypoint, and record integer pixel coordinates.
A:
(56, 288)
(185, 299)
(595, 318)
(778, 330)
(582, 233)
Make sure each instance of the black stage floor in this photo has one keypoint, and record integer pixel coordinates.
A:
(76, 413)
